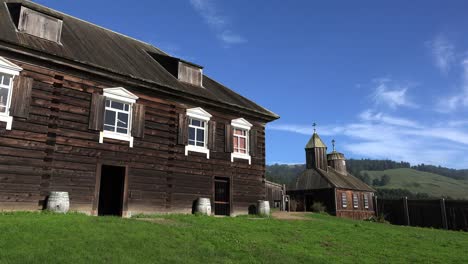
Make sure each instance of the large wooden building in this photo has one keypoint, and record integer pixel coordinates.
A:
(117, 123)
(327, 181)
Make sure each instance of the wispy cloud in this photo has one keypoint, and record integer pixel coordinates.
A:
(443, 53)
(379, 135)
(220, 23)
(390, 93)
(454, 102)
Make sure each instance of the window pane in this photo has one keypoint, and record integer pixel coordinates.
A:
(6, 80)
(195, 122)
(242, 143)
(122, 120)
(3, 99)
(236, 143)
(108, 103)
(201, 135)
(238, 132)
(117, 105)
(109, 118)
(191, 142)
(192, 134)
(127, 107)
(109, 128)
(200, 144)
(122, 130)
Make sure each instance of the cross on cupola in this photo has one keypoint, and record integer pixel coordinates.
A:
(315, 127)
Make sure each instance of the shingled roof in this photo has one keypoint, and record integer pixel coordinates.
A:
(92, 46)
(312, 179)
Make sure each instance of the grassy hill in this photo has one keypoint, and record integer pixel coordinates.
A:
(423, 182)
(75, 238)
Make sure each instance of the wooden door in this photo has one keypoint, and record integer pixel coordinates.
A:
(222, 196)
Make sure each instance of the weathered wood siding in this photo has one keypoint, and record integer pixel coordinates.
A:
(358, 213)
(54, 150)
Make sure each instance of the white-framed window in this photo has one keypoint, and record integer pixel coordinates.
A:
(197, 132)
(118, 115)
(8, 71)
(366, 201)
(344, 200)
(355, 200)
(6, 81)
(198, 120)
(240, 136)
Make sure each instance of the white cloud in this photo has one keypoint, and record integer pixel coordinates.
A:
(229, 37)
(443, 53)
(454, 102)
(212, 16)
(380, 136)
(392, 94)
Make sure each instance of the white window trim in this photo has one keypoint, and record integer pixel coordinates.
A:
(122, 95)
(200, 114)
(366, 201)
(355, 200)
(344, 200)
(241, 123)
(9, 68)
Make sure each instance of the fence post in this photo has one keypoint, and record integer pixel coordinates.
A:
(443, 212)
(376, 208)
(406, 211)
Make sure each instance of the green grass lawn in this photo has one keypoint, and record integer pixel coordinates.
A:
(75, 238)
(423, 182)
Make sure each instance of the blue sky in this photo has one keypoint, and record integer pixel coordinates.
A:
(384, 79)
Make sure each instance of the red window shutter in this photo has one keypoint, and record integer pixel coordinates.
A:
(228, 138)
(182, 134)
(96, 114)
(138, 121)
(212, 135)
(253, 142)
(21, 96)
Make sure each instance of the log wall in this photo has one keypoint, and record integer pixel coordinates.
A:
(53, 150)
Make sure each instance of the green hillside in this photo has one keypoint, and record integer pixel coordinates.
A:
(422, 182)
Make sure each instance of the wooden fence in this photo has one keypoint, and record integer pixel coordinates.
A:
(444, 214)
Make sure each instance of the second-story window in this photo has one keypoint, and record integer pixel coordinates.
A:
(240, 143)
(197, 127)
(116, 117)
(197, 132)
(5, 92)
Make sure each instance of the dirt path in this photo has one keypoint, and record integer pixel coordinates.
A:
(290, 215)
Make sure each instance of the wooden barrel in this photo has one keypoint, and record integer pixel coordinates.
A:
(263, 207)
(58, 202)
(203, 206)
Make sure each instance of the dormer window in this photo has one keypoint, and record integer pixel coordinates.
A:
(184, 71)
(190, 74)
(40, 25)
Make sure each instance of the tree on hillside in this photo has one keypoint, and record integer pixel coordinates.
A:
(384, 180)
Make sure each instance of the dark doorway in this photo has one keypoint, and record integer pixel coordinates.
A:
(112, 190)
(222, 196)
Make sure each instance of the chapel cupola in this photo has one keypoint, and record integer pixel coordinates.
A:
(316, 152)
(337, 160)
